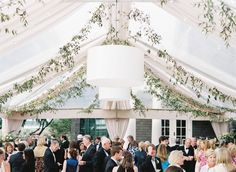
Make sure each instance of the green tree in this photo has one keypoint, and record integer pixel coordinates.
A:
(61, 126)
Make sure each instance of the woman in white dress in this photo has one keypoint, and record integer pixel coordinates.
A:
(223, 161)
(211, 161)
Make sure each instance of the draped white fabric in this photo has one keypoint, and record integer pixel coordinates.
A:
(11, 125)
(220, 128)
(116, 127)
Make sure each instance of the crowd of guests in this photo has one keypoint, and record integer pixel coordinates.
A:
(105, 155)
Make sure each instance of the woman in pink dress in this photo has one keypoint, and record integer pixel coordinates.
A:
(201, 155)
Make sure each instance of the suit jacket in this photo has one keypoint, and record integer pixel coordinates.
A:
(65, 145)
(189, 166)
(16, 162)
(98, 146)
(88, 157)
(99, 162)
(148, 167)
(139, 158)
(50, 165)
(60, 154)
(110, 165)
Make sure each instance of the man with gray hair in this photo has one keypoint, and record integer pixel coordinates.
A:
(101, 155)
(50, 162)
(86, 163)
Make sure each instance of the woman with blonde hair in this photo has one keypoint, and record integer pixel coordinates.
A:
(211, 161)
(162, 154)
(140, 155)
(223, 161)
(39, 151)
(212, 144)
(201, 155)
(232, 151)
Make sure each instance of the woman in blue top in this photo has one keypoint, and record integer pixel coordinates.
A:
(162, 154)
(71, 164)
(140, 155)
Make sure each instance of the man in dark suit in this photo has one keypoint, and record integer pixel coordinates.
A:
(86, 163)
(188, 152)
(151, 163)
(16, 160)
(116, 155)
(98, 143)
(64, 142)
(50, 163)
(99, 163)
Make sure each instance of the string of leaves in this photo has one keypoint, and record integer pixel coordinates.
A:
(6, 14)
(176, 101)
(62, 62)
(138, 105)
(56, 97)
(183, 77)
(217, 15)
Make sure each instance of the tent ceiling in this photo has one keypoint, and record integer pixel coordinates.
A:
(57, 21)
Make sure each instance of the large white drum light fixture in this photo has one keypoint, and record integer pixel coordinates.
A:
(114, 94)
(115, 66)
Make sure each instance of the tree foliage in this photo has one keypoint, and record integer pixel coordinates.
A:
(61, 126)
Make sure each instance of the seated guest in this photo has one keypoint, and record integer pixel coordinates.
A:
(127, 164)
(71, 164)
(211, 161)
(16, 160)
(116, 155)
(151, 163)
(29, 164)
(5, 166)
(176, 158)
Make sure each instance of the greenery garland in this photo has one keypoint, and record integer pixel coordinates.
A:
(19, 11)
(227, 18)
(176, 101)
(64, 61)
(180, 74)
(73, 86)
(183, 77)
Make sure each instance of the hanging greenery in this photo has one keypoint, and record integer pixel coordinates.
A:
(138, 105)
(62, 62)
(56, 97)
(217, 15)
(183, 77)
(176, 101)
(9, 10)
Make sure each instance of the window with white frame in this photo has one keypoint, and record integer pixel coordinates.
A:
(165, 127)
(180, 130)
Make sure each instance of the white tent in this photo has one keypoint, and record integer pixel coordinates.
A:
(52, 24)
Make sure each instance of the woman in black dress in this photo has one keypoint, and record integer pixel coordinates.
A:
(29, 164)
